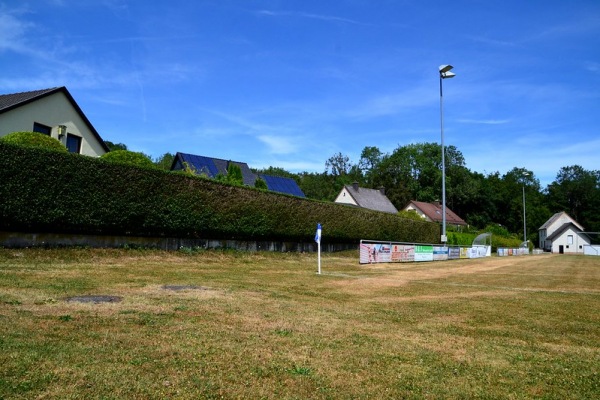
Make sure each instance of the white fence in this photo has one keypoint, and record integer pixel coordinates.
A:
(591, 250)
(386, 252)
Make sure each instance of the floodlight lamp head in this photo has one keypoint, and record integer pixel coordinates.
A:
(448, 74)
(445, 68)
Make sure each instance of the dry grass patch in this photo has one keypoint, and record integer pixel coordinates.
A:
(264, 325)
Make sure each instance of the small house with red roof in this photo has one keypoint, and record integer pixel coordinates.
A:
(432, 212)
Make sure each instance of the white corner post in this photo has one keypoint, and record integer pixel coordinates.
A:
(318, 240)
(444, 74)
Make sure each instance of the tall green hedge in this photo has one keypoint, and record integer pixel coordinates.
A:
(46, 191)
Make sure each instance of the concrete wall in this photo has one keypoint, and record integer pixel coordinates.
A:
(51, 111)
(22, 240)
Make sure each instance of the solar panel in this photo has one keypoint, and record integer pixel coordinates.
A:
(201, 164)
(283, 185)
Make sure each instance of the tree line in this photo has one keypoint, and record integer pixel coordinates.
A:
(413, 172)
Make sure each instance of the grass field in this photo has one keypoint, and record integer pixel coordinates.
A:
(263, 325)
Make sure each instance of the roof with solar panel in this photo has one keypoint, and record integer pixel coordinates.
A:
(211, 167)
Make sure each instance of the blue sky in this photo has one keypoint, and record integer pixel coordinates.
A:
(290, 83)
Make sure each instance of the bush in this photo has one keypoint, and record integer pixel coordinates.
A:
(65, 193)
(34, 139)
(128, 157)
(260, 183)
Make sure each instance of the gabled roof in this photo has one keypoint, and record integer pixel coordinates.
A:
(372, 199)
(15, 100)
(558, 216)
(433, 211)
(212, 167)
(562, 229)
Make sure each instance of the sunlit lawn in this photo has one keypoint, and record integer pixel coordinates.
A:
(263, 325)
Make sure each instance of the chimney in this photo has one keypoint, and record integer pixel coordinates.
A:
(382, 190)
(355, 186)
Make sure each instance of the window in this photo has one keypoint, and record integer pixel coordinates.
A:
(570, 239)
(46, 130)
(73, 143)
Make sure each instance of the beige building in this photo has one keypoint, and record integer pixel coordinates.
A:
(52, 112)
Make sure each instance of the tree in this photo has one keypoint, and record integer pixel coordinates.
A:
(234, 174)
(115, 146)
(338, 165)
(370, 158)
(165, 161)
(260, 183)
(577, 192)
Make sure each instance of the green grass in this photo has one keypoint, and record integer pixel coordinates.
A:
(263, 325)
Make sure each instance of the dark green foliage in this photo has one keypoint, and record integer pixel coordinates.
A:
(128, 157)
(165, 161)
(34, 139)
(45, 191)
(234, 174)
(260, 184)
(115, 146)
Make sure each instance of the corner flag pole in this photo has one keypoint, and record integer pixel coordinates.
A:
(318, 240)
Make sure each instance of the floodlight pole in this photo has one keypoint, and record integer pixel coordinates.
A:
(525, 174)
(444, 73)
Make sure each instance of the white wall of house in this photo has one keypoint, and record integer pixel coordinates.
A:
(345, 198)
(549, 230)
(571, 241)
(52, 111)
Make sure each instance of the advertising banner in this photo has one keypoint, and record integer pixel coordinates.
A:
(464, 252)
(386, 252)
(403, 253)
(423, 253)
(453, 253)
(375, 253)
(440, 253)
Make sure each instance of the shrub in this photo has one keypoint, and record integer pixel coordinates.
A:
(128, 157)
(260, 184)
(46, 191)
(34, 139)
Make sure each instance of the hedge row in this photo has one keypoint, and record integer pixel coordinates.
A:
(48, 191)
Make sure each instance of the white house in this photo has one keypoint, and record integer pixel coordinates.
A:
(372, 199)
(52, 112)
(562, 234)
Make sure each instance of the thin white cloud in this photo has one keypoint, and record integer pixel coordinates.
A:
(13, 31)
(279, 144)
(299, 14)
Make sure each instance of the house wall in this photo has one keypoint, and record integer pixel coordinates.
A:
(345, 198)
(574, 247)
(564, 219)
(51, 111)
